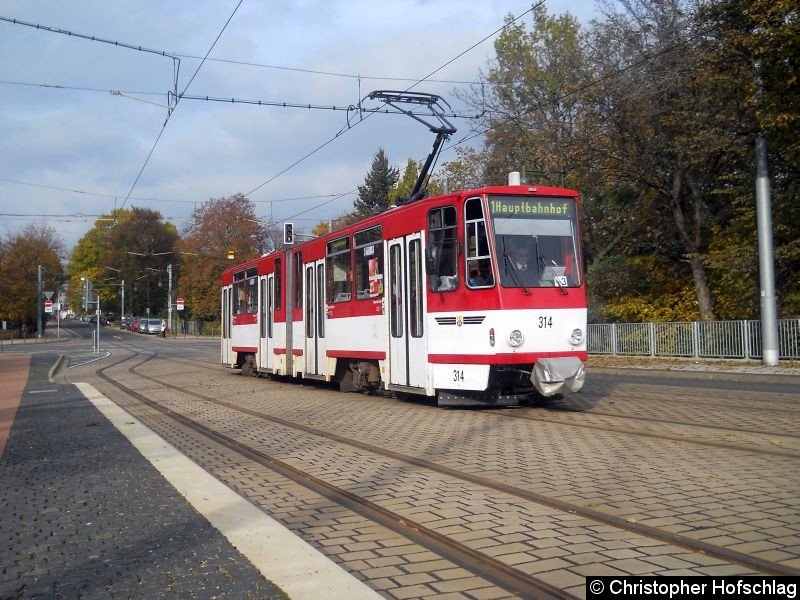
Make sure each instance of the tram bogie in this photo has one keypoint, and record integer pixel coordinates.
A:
(474, 298)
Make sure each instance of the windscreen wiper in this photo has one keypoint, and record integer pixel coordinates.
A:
(541, 260)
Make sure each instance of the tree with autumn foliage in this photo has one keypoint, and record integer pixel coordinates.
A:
(20, 257)
(651, 112)
(216, 227)
(131, 245)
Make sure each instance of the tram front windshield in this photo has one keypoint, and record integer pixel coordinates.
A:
(536, 240)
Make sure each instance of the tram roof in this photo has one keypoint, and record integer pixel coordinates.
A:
(401, 215)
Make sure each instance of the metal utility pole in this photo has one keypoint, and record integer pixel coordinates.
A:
(122, 307)
(169, 298)
(766, 263)
(39, 301)
(97, 313)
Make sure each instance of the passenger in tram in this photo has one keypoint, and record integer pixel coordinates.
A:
(481, 274)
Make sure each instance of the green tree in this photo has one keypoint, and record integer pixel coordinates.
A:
(373, 196)
(405, 184)
(464, 173)
(529, 100)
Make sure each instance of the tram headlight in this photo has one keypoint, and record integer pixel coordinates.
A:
(576, 337)
(515, 338)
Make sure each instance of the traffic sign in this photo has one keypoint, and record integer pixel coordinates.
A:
(179, 303)
(48, 306)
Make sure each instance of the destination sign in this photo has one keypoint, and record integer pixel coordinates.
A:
(562, 208)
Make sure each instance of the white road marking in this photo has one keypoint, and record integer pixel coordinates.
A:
(82, 362)
(299, 569)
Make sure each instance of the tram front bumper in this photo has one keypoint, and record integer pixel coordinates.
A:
(558, 375)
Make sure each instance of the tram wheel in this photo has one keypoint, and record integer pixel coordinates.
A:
(346, 382)
(249, 367)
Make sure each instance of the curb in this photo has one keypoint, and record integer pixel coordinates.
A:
(55, 368)
(785, 379)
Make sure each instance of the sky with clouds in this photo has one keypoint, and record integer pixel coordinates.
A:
(72, 148)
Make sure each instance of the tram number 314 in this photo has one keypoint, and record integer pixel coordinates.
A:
(545, 322)
(458, 375)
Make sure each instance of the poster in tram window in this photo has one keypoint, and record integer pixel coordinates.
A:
(375, 279)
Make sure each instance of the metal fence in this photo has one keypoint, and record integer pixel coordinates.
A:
(195, 327)
(693, 339)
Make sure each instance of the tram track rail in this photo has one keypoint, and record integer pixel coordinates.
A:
(669, 422)
(519, 413)
(662, 436)
(495, 571)
(755, 405)
(662, 535)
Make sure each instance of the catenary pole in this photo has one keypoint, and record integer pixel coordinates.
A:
(766, 264)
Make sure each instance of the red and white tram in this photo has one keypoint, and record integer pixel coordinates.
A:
(475, 297)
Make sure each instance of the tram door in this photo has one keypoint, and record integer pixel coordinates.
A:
(407, 351)
(226, 357)
(266, 292)
(314, 288)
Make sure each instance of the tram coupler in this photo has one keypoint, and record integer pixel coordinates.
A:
(561, 375)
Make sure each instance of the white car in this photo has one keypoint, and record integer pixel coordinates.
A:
(151, 326)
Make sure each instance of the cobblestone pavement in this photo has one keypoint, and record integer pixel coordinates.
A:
(727, 492)
(85, 516)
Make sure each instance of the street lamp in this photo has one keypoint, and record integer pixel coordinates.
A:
(87, 289)
(122, 289)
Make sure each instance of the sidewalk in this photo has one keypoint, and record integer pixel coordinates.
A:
(49, 335)
(732, 370)
(95, 505)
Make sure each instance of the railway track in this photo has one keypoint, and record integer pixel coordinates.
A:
(662, 535)
(495, 571)
(765, 442)
(688, 433)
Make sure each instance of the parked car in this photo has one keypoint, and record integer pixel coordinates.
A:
(150, 326)
(125, 323)
(134, 325)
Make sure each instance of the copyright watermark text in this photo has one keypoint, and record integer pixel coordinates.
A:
(691, 587)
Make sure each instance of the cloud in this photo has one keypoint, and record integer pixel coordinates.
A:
(97, 142)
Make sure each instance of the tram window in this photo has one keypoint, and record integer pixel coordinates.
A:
(479, 260)
(278, 286)
(270, 317)
(298, 279)
(415, 288)
(310, 301)
(369, 263)
(320, 302)
(536, 241)
(396, 292)
(262, 294)
(340, 270)
(225, 313)
(245, 290)
(442, 249)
